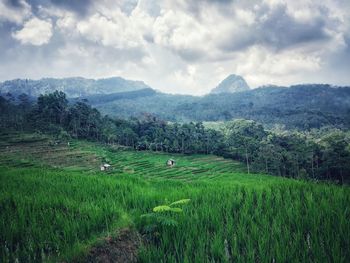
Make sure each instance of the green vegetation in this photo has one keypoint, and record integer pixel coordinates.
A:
(162, 216)
(316, 154)
(301, 107)
(55, 204)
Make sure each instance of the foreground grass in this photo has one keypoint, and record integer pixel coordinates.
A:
(52, 214)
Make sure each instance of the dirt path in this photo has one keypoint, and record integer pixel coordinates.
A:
(122, 248)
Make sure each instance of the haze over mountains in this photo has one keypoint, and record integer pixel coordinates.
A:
(73, 87)
(81, 87)
(300, 106)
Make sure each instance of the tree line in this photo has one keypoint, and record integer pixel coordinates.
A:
(316, 154)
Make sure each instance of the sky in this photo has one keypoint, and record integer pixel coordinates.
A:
(177, 46)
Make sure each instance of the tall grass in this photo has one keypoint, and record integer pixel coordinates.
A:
(260, 226)
(51, 214)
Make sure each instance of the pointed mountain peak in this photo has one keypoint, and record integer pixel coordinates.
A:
(233, 83)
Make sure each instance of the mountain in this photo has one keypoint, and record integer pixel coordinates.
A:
(73, 87)
(233, 83)
(99, 99)
(300, 106)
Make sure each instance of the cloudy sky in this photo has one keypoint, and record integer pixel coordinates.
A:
(177, 46)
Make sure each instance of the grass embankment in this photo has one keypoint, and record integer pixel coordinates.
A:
(55, 203)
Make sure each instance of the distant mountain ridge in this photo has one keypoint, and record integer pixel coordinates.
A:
(73, 87)
(233, 83)
(303, 106)
(299, 106)
(106, 98)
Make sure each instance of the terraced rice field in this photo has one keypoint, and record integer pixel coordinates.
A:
(38, 150)
(43, 151)
(55, 205)
(152, 165)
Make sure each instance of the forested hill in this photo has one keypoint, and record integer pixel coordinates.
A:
(300, 106)
(101, 99)
(72, 87)
(320, 153)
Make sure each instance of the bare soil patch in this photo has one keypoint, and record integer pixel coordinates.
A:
(122, 248)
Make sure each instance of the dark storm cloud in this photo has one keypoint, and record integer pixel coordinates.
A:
(277, 30)
(80, 7)
(282, 30)
(7, 42)
(14, 3)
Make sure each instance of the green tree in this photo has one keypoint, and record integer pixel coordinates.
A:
(243, 138)
(52, 108)
(336, 156)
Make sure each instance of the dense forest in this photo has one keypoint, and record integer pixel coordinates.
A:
(313, 154)
(301, 107)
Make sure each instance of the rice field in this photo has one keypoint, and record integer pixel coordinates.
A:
(55, 204)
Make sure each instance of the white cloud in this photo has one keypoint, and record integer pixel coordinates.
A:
(262, 66)
(180, 32)
(186, 78)
(15, 14)
(67, 23)
(101, 29)
(35, 32)
(114, 28)
(182, 46)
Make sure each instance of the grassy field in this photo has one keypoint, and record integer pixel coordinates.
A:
(55, 204)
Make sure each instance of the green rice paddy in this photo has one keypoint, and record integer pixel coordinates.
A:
(55, 204)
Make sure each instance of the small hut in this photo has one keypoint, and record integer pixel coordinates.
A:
(170, 162)
(105, 167)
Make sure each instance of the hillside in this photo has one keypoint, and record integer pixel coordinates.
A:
(33, 150)
(301, 106)
(73, 87)
(102, 99)
(56, 209)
